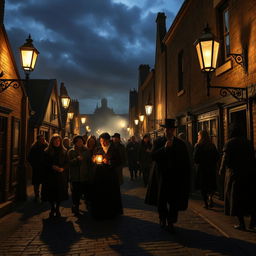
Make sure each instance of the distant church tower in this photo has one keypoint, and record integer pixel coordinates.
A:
(104, 103)
(104, 109)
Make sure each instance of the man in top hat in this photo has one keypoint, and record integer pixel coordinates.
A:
(172, 159)
(121, 148)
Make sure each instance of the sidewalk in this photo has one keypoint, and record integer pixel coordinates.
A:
(224, 224)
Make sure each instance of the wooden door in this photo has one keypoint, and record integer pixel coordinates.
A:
(3, 138)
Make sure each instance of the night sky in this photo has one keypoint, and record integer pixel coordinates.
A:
(94, 46)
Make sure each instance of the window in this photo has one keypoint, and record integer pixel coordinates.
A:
(226, 32)
(224, 15)
(180, 71)
(53, 114)
(211, 126)
(16, 137)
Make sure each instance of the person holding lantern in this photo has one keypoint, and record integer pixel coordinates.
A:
(106, 197)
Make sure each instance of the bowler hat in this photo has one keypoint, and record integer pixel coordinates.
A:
(116, 135)
(169, 123)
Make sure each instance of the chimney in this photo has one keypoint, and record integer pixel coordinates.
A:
(2, 3)
(160, 30)
(63, 90)
(144, 70)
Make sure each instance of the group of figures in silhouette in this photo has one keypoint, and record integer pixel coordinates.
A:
(93, 167)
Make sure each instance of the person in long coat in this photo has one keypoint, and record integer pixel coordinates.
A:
(106, 197)
(55, 182)
(145, 160)
(239, 165)
(121, 148)
(91, 145)
(171, 156)
(79, 165)
(35, 159)
(132, 149)
(206, 157)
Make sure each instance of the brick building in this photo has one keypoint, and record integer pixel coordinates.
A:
(180, 86)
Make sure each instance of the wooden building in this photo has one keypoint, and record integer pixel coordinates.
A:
(45, 108)
(14, 114)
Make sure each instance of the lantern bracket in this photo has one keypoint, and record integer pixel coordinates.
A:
(239, 93)
(240, 59)
(6, 83)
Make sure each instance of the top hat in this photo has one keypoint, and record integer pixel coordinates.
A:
(169, 123)
(116, 135)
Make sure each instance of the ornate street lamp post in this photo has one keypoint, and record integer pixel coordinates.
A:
(207, 47)
(28, 54)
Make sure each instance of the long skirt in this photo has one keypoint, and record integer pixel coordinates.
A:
(106, 197)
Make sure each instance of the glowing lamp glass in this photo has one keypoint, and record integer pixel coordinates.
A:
(28, 55)
(65, 101)
(83, 120)
(148, 109)
(141, 117)
(70, 115)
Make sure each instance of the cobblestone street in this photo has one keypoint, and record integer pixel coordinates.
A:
(137, 232)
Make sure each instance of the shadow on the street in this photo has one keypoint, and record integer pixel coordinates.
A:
(129, 233)
(134, 202)
(133, 234)
(31, 209)
(217, 244)
(59, 235)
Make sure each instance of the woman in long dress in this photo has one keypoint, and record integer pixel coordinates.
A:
(106, 196)
(206, 158)
(55, 181)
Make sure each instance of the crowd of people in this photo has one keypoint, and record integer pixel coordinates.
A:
(93, 169)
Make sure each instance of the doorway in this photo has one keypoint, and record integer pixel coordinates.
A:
(3, 136)
(238, 116)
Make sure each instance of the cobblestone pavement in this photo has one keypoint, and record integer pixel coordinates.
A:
(137, 232)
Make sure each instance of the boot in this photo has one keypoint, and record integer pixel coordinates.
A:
(241, 225)
(252, 223)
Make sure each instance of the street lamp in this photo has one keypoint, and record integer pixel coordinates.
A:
(28, 54)
(70, 115)
(207, 48)
(148, 108)
(83, 120)
(141, 117)
(136, 121)
(65, 101)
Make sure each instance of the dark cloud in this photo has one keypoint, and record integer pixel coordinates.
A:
(94, 47)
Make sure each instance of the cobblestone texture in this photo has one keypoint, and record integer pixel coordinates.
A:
(137, 232)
